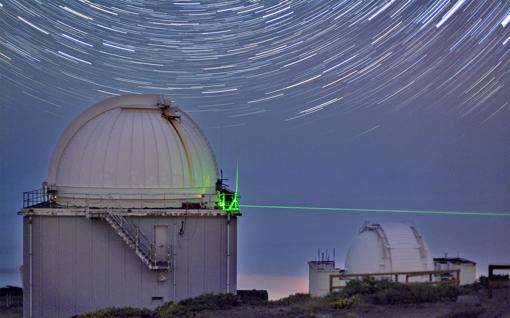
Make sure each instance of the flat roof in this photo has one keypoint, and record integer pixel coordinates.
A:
(453, 260)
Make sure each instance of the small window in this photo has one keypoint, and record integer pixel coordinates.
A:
(157, 298)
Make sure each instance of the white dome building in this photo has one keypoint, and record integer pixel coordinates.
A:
(390, 247)
(377, 251)
(136, 148)
(132, 214)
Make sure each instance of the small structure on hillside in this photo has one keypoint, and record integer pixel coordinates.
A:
(319, 273)
(467, 268)
(393, 251)
(500, 279)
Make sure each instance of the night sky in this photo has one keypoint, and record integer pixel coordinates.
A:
(348, 103)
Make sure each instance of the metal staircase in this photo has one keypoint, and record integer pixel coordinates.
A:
(136, 240)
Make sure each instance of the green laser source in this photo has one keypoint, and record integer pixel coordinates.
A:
(228, 201)
(309, 208)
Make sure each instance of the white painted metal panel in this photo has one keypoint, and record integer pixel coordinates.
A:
(161, 242)
(389, 247)
(120, 146)
(367, 255)
(82, 264)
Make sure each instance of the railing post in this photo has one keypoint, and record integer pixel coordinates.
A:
(168, 259)
(137, 237)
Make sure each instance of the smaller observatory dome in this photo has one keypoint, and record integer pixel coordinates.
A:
(134, 148)
(390, 247)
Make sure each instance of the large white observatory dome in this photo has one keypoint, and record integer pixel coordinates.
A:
(390, 247)
(132, 147)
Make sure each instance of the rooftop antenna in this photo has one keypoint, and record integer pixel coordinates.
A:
(237, 175)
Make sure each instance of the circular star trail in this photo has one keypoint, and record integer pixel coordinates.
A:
(293, 59)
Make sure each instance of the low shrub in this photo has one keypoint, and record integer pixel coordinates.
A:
(298, 298)
(165, 310)
(365, 286)
(113, 312)
(344, 303)
(253, 297)
(414, 294)
(189, 306)
(385, 292)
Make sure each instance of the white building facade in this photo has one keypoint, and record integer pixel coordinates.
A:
(467, 268)
(319, 273)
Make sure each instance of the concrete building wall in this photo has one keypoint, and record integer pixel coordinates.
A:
(467, 271)
(467, 274)
(318, 277)
(81, 264)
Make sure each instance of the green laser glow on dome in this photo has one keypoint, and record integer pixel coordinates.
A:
(325, 209)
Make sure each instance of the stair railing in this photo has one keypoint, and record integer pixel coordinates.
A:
(136, 239)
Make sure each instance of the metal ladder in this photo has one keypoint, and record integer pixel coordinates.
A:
(136, 240)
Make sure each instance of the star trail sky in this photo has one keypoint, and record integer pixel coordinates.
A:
(380, 104)
(241, 55)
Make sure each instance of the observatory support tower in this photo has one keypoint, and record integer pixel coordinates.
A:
(133, 213)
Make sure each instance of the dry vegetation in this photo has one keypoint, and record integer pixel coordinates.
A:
(367, 298)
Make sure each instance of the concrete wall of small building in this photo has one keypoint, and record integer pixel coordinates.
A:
(81, 264)
(318, 277)
(467, 271)
(467, 274)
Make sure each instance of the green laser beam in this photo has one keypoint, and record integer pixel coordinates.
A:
(292, 207)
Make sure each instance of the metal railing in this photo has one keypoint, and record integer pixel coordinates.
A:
(495, 281)
(394, 276)
(34, 197)
(180, 200)
(137, 240)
